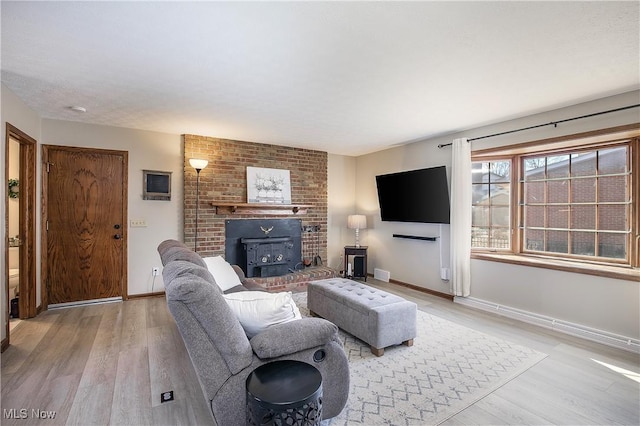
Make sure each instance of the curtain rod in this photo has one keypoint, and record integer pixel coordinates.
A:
(552, 123)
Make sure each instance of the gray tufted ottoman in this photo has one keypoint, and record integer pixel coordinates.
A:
(379, 318)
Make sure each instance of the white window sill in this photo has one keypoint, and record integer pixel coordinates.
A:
(610, 271)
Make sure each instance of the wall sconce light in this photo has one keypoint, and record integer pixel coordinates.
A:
(357, 222)
(197, 164)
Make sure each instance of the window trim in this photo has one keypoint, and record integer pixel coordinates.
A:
(622, 272)
(600, 138)
(512, 219)
(628, 260)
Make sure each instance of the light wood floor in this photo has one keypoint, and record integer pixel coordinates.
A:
(570, 386)
(109, 364)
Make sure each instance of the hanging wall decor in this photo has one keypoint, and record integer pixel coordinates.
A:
(268, 185)
(14, 188)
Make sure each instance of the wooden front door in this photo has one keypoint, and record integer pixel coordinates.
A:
(85, 223)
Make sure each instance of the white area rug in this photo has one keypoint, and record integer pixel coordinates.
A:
(448, 368)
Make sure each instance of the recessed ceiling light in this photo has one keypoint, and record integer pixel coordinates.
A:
(78, 108)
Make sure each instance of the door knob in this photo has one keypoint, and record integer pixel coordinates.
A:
(117, 236)
(116, 226)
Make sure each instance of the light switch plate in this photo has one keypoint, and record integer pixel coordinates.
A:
(138, 223)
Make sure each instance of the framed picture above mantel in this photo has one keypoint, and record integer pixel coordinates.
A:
(271, 186)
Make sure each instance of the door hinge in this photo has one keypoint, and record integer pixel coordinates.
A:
(49, 166)
(47, 223)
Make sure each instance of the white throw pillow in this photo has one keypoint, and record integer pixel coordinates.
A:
(257, 310)
(222, 272)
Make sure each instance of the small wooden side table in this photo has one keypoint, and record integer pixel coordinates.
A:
(357, 252)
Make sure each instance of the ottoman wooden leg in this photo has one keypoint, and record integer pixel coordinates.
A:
(408, 342)
(376, 351)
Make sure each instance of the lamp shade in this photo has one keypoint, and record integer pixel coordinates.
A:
(357, 221)
(198, 164)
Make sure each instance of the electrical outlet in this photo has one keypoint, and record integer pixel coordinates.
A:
(155, 271)
(166, 396)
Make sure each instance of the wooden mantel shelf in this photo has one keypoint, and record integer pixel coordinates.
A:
(259, 208)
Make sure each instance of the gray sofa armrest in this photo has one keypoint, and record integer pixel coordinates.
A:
(236, 289)
(247, 283)
(251, 285)
(293, 336)
(238, 270)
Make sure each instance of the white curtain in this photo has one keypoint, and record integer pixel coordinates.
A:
(461, 217)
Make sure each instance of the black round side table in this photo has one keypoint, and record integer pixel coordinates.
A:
(284, 393)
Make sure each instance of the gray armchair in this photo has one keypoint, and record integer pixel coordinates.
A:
(223, 356)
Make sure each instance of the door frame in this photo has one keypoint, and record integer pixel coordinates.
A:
(27, 227)
(45, 202)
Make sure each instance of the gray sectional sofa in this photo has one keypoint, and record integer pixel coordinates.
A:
(220, 351)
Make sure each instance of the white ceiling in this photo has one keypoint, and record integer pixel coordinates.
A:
(343, 77)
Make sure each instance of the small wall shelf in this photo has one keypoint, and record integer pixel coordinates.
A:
(260, 208)
(415, 237)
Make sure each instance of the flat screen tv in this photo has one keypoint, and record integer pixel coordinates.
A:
(414, 196)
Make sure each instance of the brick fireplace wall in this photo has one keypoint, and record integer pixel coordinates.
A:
(225, 180)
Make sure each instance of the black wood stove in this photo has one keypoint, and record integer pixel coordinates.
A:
(264, 247)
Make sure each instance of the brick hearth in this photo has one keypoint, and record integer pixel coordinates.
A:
(296, 281)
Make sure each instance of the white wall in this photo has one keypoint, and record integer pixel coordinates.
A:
(341, 203)
(16, 113)
(606, 304)
(602, 303)
(411, 261)
(147, 151)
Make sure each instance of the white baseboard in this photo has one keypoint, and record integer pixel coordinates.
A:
(595, 335)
